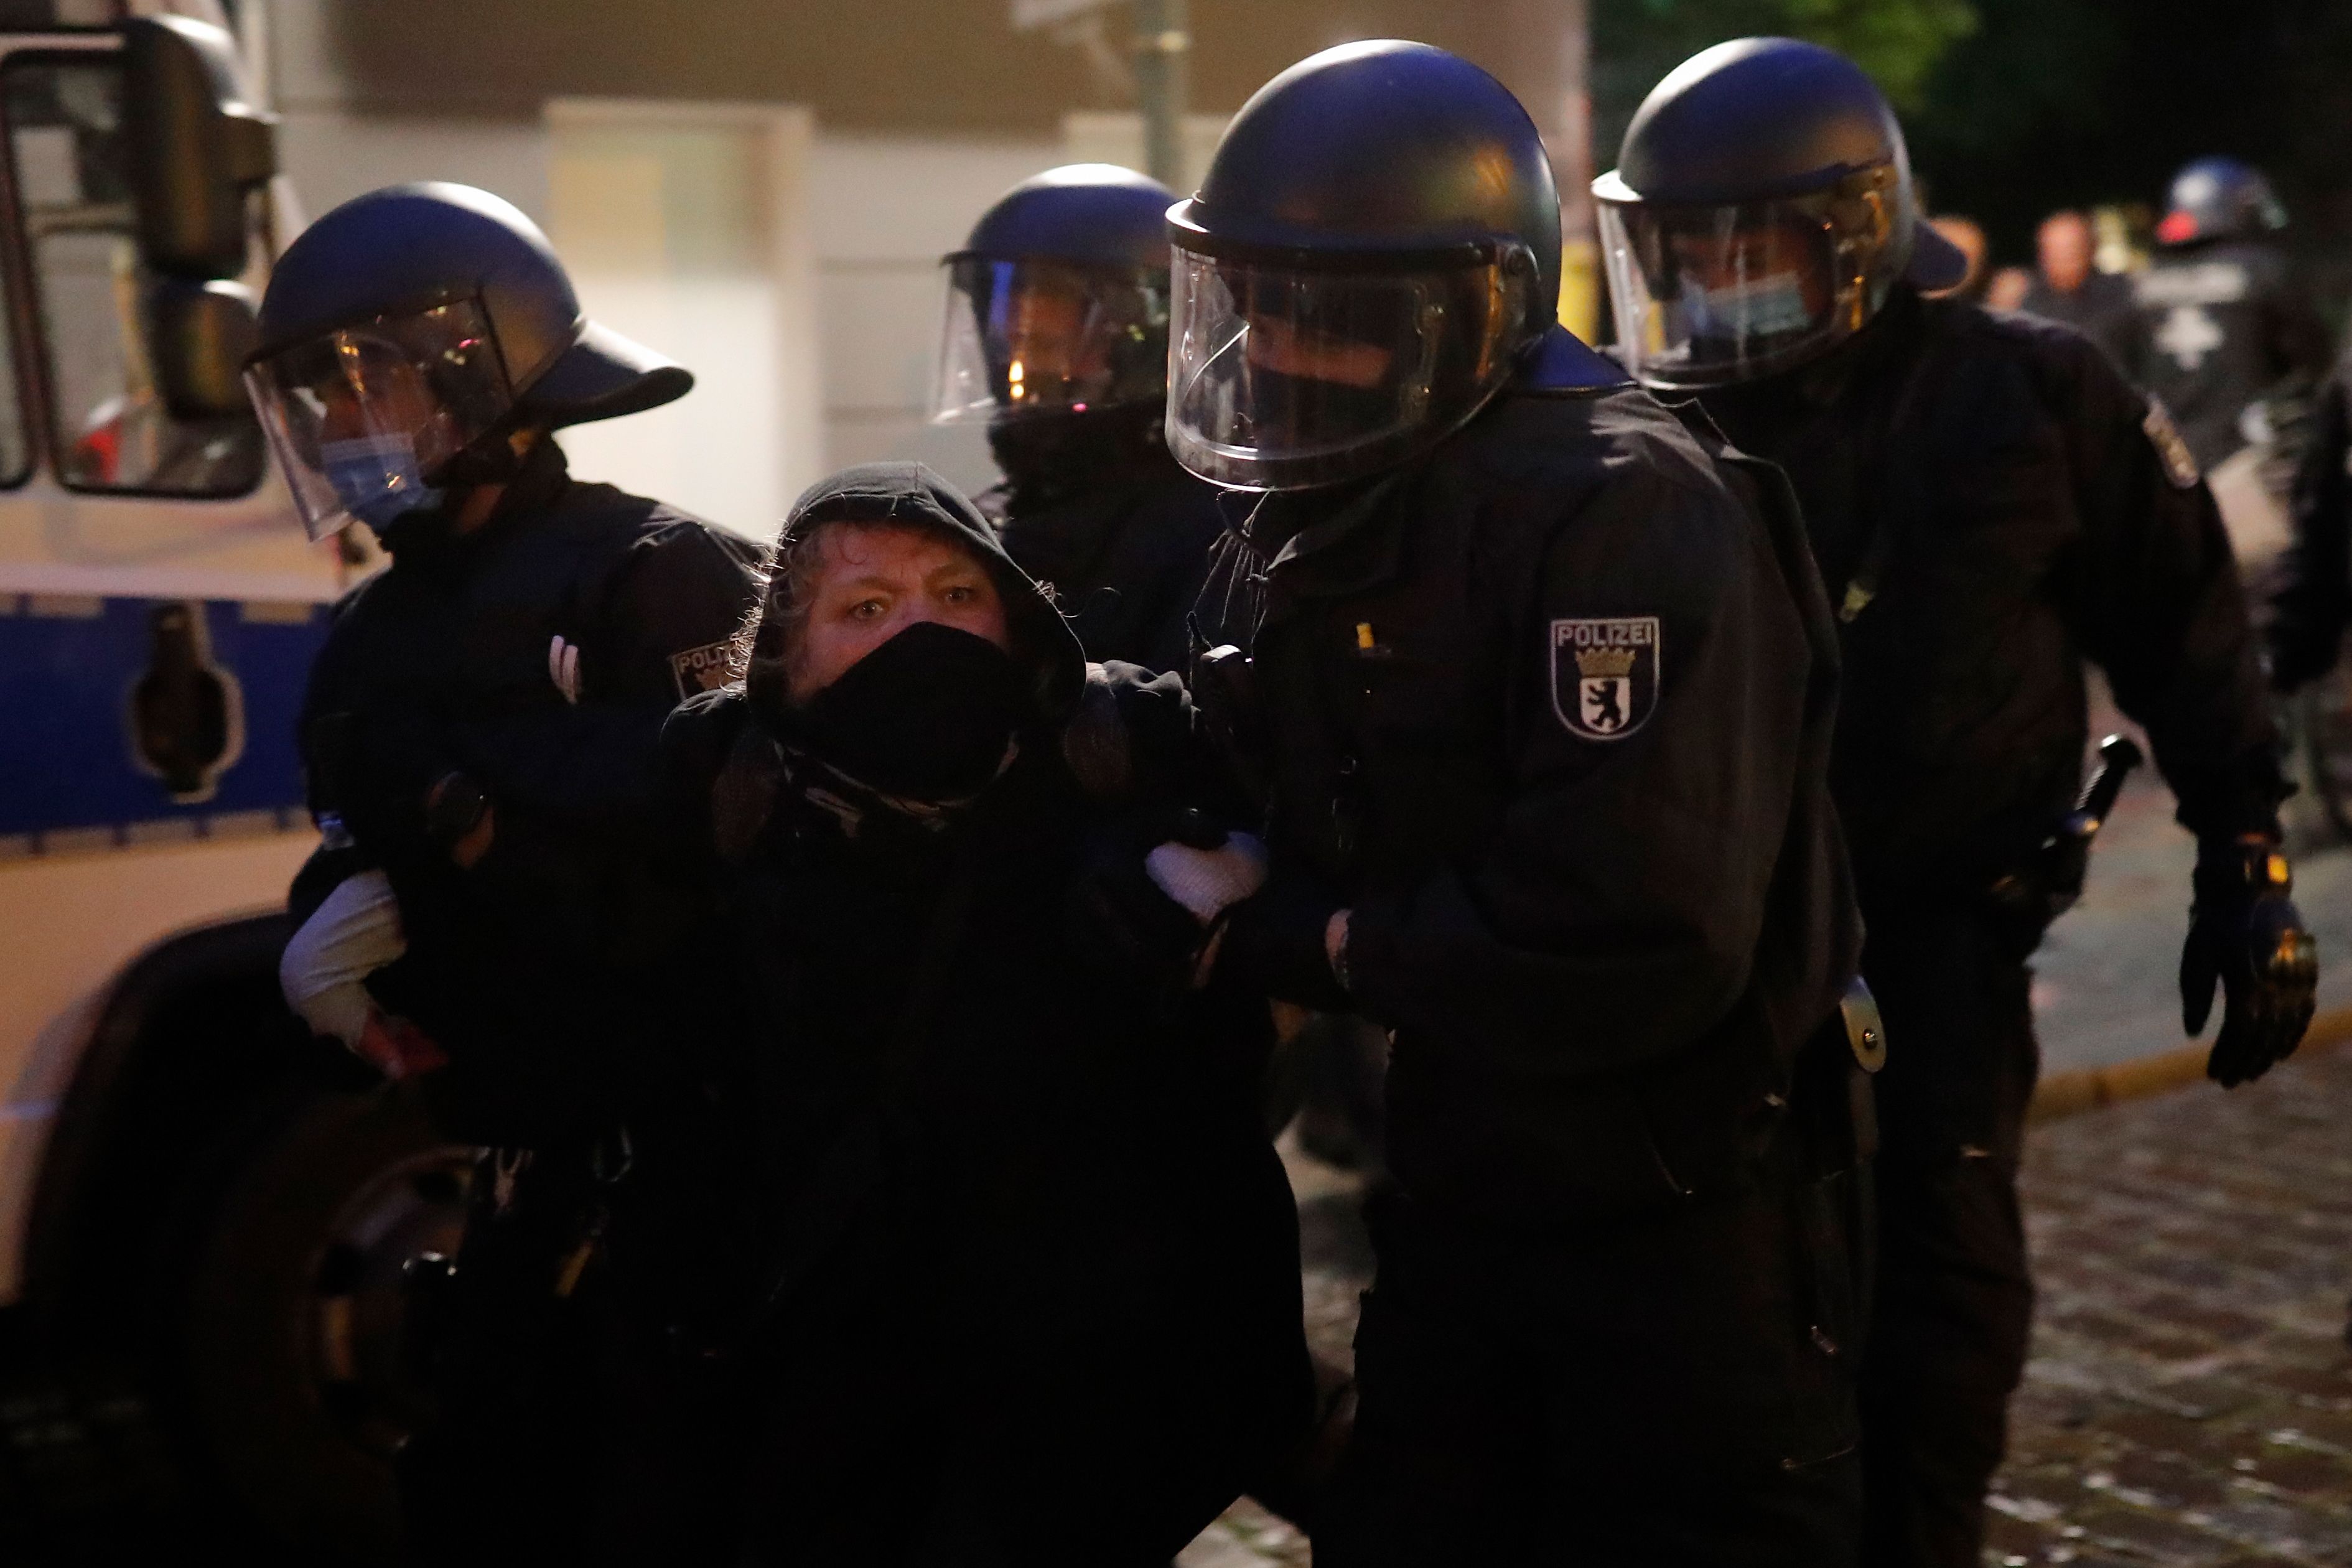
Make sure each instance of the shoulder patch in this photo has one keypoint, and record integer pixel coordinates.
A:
(1605, 675)
(700, 668)
(2179, 464)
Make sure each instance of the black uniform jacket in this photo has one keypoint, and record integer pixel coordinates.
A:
(1990, 503)
(1551, 708)
(1124, 549)
(2222, 325)
(439, 664)
(2313, 605)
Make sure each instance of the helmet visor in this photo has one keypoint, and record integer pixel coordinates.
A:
(1043, 337)
(366, 419)
(1287, 378)
(1708, 295)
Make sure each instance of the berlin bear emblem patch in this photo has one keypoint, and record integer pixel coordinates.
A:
(1605, 675)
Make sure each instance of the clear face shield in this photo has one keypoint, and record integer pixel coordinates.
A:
(1709, 295)
(366, 419)
(1048, 337)
(1282, 377)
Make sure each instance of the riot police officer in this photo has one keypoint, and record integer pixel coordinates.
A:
(2231, 342)
(1990, 502)
(481, 732)
(2313, 605)
(1539, 682)
(1057, 333)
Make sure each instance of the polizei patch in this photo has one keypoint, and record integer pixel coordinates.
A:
(1605, 675)
(700, 668)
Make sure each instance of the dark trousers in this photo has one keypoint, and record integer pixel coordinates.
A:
(1954, 1300)
(1673, 1390)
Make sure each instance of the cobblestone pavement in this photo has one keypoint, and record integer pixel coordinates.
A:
(2189, 1400)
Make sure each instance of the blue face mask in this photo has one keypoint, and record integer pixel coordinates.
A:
(377, 478)
(1761, 308)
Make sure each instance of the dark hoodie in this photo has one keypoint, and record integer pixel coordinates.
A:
(1001, 1227)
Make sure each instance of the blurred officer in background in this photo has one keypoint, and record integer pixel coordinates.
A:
(1539, 685)
(481, 737)
(2233, 344)
(2069, 289)
(2313, 606)
(1057, 335)
(1990, 502)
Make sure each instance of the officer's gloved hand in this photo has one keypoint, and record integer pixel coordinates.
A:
(2245, 932)
(1285, 940)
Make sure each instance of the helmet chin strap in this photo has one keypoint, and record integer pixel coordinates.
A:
(486, 466)
(492, 459)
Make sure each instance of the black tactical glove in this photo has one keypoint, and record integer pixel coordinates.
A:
(1274, 943)
(2245, 932)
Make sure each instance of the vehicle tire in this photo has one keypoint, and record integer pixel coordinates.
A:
(297, 1392)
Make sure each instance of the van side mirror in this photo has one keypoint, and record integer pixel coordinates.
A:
(197, 145)
(200, 334)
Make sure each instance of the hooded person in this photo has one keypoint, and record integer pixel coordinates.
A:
(997, 1224)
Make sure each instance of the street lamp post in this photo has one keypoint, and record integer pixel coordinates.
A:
(1162, 44)
(1542, 50)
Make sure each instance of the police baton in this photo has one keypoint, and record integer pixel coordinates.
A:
(2055, 881)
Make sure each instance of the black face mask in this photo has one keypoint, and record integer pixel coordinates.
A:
(1281, 403)
(1048, 456)
(927, 716)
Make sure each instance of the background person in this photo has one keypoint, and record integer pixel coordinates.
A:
(2068, 289)
(2313, 605)
(2233, 344)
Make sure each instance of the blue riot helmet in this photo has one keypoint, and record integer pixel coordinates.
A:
(1761, 213)
(1058, 302)
(1375, 244)
(407, 333)
(2218, 198)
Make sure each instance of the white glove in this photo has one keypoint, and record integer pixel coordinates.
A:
(1208, 882)
(324, 970)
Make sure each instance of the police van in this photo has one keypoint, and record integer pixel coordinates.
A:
(192, 1205)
